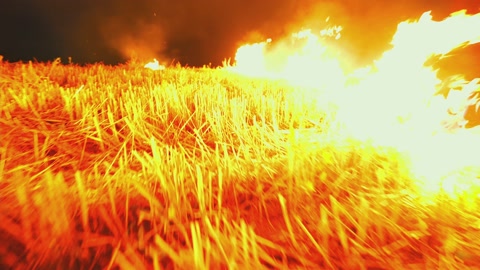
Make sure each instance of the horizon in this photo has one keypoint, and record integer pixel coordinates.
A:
(194, 34)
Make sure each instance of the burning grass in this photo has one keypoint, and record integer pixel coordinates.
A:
(126, 168)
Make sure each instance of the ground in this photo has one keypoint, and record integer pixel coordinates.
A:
(122, 167)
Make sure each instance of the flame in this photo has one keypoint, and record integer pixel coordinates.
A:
(297, 59)
(154, 65)
(395, 101)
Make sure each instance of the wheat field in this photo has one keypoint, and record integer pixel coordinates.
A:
(122, 167)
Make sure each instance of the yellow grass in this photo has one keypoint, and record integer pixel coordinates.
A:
(126, 168)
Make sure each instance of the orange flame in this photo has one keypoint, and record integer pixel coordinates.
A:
(393, 102)
(298, 59)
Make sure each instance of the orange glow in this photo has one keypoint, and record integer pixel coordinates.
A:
(394, 102)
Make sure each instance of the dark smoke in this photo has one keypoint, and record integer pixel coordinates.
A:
(194, 32)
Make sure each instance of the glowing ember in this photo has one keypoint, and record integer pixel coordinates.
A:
(395, 101)
(154, 65)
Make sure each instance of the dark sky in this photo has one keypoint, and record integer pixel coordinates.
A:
(193, 32)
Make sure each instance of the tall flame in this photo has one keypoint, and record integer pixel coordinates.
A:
(395, 101)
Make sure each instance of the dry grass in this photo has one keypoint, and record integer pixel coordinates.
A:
(125, 168)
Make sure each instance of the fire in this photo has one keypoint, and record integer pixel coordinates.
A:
(395, 101)
(154, 65)
(298, 59)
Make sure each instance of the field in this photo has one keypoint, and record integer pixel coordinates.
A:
(122, 167)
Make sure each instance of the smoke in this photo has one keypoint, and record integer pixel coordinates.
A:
(191, 32)
(143, 42)
(195, 32)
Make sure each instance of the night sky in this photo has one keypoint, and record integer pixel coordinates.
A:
(194, 32)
